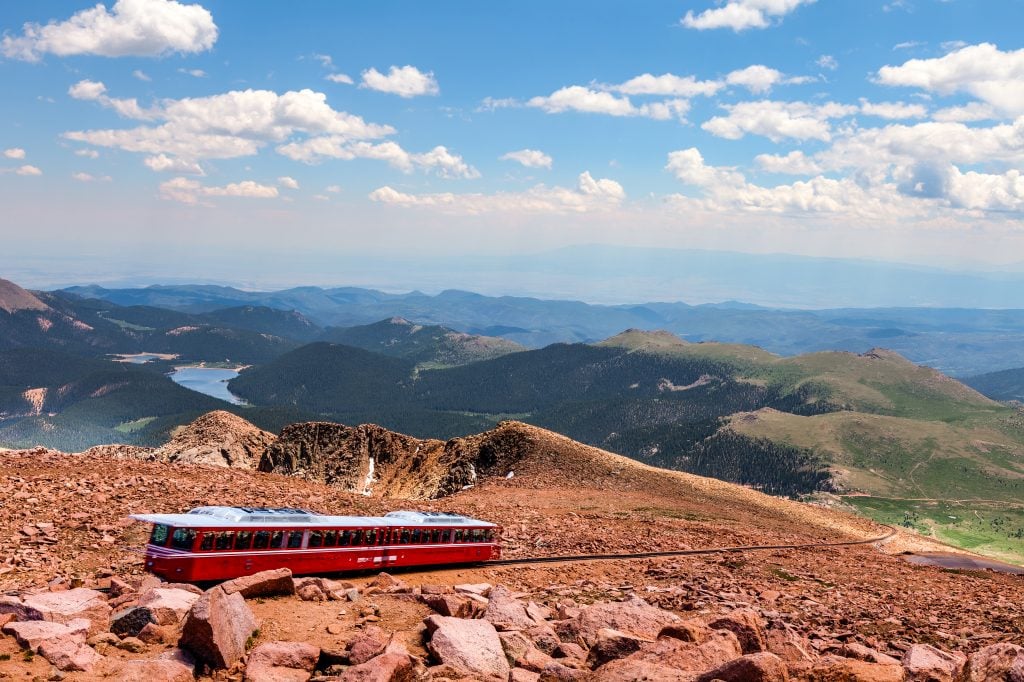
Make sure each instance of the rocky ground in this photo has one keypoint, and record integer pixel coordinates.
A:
(822, 614)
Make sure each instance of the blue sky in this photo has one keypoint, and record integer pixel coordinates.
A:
(297, 139)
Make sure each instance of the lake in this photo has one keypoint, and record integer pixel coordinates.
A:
(208, 380)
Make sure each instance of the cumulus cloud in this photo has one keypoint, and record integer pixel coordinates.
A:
(141, 75)
(438, 160)
(28, 170)
(192, 192)
(161, 163)
(87, 153)
(892, 110)
(531, 158)
(983, 71)
(88, 177)
(288, 183)
(406, 81)
(579, 98)
(96, 91)
(229, 125)
(973, 111)
(195, 73)
(667, 84)
(793, 163)
(740, 15)
(757, 78)
(590, 194)
(14, 153)
(339, 78)
(138, 28)
(827, 61)
(778, 120)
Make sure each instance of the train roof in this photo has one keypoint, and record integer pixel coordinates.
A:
(235, 517)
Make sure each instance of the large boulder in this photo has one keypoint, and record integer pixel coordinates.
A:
(131, 622)
(840, 669)
(217, 438)
(70, 654)
(788, 644)
(262, 584)
(673, 659)
(925, 663)
(758, 667)
(30, 634)
(994, 662)
(469, 645)
(167, 606)
(388, 667)
(612, 645)
(69, 605)
(634, 616)
(746, 625)
(506, 612)
(281, 662)
(368, 644)
(152, 670)
(217, 628)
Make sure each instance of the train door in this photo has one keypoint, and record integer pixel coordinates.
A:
(387, 538)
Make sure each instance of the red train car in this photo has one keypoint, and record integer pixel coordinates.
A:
(217, 543)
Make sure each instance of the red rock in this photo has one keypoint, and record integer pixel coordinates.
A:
(449, 604)
(539, 614)
(385, 582)
(925, 663)
(762, 666)
(479, 589)
(262, 584)
(570, 650)
(69, 654)
(320, 589)
(217, 628)
(30, 634)
(368, 644)
(686, 657)
(168, 606)
(686, 631)
(637, 669)
(612, 645)
(63, 607)
(158, 634)
(863, 653)
(471, 645)
(152, 670)
(840, 669)
(544, 638)
(556, 672)
(506, 612)
(523, 675)
(13, 605)
(746, 625)
(634, 616)
(786, 643)
(119, 587)
(993, 662)
(281, 662)
(520, 651)
(388, 667)
(130, 622)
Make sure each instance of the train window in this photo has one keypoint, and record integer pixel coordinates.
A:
(330, 538)
(416, 536)
(490, 535)
(243, 539)
(295, 539)
(478, 535)
(436, 536)
(382, 536)
(446, 536)
(183, 538)
(159, 535)
(207, 541)
(344, 538)
(261, 539)
(458, 535)
(316, 538)
(224, 539)
(405, 537)
(371, 537)
(277, 539)
(357, 537)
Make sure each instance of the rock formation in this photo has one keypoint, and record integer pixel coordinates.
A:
(219, 439)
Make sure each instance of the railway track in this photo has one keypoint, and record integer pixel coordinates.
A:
(684, 552)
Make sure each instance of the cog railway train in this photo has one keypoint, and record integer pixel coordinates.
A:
(218, 543)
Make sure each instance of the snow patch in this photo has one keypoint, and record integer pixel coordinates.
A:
(369, 479)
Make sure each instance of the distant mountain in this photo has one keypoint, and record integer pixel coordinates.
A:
(959, 342)
(1005, 385)
(287, 324)
(429, 345)
(13, 298)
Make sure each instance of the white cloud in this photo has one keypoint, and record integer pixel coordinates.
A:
(972, 190)
(96, 91)
(333, 189)
(339, 78)
(740, 15)
(438, 160)
(492, 103)
(827, 61)
(88, 153)
(88, 177)
(139, 28)
(195, 73)
(906, 45)
(14, 153)
(161, 163)
(287, 182)
(579, 98)
(325, 60)
(229, 125)
(688, 165)
(893, 110)
(589, 195)
(141, 75)
(973, 111)
(982, 71)
(793, 163)
(531, 158)
(406, 81)
(191, 191)
(778, 120)
(28, 170)
(667, 84)
(757, 78)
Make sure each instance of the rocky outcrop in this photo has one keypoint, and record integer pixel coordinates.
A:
(262, 584)
(69, 605)
(281, 662)
(471, 646)
(219, 439)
